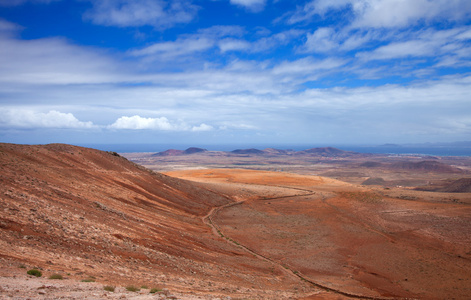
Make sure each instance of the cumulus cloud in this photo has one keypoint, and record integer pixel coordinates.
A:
(134, 13)
(251, 5)
(138, 122)
(22, 118)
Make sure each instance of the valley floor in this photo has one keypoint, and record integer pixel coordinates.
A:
(347, 240)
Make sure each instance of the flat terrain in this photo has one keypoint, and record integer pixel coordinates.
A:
(385, 170)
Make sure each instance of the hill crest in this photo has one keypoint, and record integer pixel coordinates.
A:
(69, 209)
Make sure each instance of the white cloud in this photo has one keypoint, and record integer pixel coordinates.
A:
(393, 13)
(189, 44)
(23, 118)
(251, 5)
(54, 61)
(8, 27)
(312, 8)
(322, 40)
(219, 31)
(138, 122)
(307, 66)
(429, 43)
(202, 127)
(385, 13)
(179, 47)
(230, 44)
(263, 44)
(134, 13)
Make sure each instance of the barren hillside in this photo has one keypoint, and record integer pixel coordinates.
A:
(84, 213)
(245, 234)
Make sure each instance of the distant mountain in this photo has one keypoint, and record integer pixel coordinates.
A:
(324, 152)
(174, 152)
(193, 150)
(251, 151)
(170, 152)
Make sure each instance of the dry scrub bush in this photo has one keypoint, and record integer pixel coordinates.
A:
(109, 288)
(56, 276)
(35, 272)
(132, 288)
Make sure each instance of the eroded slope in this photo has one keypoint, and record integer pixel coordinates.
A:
(82, 212)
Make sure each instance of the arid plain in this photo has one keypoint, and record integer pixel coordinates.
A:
(271, 224)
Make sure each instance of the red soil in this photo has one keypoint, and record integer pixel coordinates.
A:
(81, 212)
(351, 239)
(246, 234)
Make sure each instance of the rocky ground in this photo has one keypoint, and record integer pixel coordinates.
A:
(99, 220)
(84, 214)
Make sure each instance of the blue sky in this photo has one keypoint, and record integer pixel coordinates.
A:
(205, 72)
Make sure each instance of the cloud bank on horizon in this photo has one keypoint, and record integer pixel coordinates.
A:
(235, 71)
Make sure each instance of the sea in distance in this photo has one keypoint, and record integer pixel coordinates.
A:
(439, 149)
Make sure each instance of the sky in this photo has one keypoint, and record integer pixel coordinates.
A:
(202, 72)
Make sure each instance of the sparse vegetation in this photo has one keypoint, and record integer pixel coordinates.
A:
(109, 288)
(35, 272)
(22, 266)
(144, 287)
(155, 290)
(89, 279)
(132, 288)
(56, 276)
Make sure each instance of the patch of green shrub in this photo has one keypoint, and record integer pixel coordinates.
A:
(132, 288)
(108, 288)
(154, 290)
(35, 272)
(56, 276)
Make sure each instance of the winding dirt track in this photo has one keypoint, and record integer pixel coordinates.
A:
(346, 240)
(208, 219)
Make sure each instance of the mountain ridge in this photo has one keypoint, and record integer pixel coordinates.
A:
(320, 151)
